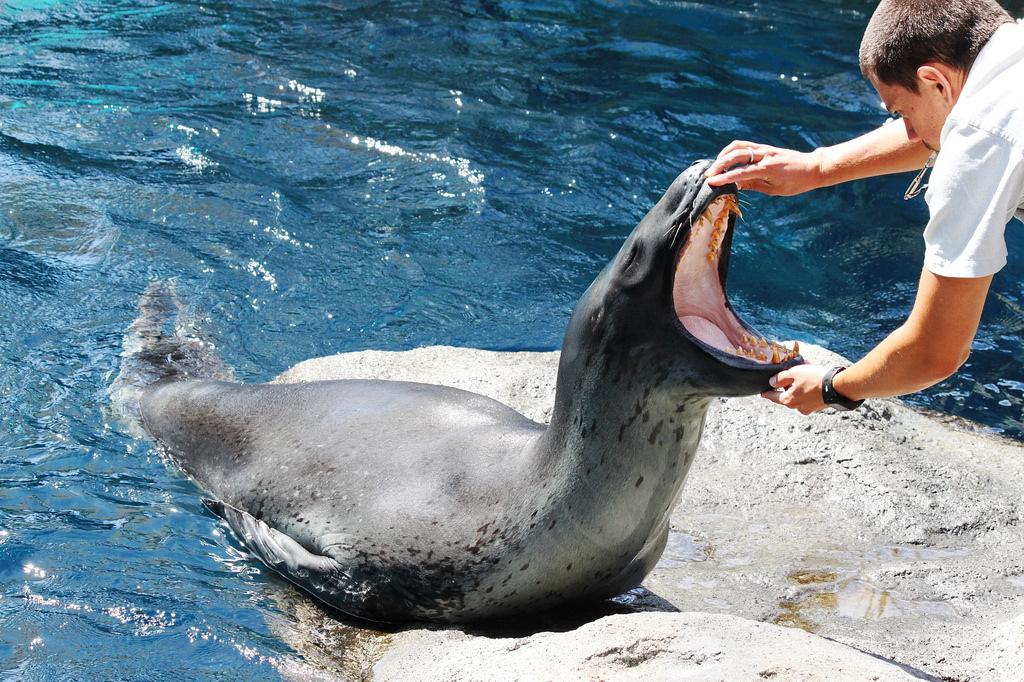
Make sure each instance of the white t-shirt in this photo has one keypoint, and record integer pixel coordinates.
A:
(977, 184)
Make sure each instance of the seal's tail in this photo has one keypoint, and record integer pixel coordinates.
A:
(162, 343)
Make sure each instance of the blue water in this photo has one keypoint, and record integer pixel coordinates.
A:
(325, 177)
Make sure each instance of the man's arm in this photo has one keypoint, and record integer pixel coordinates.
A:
(929, 347)
(785, 172)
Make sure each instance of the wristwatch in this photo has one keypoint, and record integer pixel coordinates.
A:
(832, 397)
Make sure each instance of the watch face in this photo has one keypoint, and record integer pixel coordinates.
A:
(832, 397)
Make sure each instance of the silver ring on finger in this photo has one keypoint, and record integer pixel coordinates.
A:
(750, 150)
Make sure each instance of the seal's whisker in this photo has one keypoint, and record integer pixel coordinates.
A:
(675, 227)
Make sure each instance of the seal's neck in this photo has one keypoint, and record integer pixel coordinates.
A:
(623, 416)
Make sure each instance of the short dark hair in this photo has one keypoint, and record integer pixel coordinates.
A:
(904, 34)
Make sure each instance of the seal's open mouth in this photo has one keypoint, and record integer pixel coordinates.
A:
(699, 296)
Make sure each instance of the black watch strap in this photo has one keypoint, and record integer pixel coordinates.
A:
(831, 397)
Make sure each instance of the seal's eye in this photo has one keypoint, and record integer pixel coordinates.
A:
(632, 272)
(631, 257)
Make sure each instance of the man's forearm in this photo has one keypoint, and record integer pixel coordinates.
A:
(929, 347)
(894, 367)
(880, 152)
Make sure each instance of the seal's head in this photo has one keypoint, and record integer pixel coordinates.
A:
(664, 298)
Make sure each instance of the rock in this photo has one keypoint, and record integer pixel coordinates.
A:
(887, 541)
(638, 646)
(525, 381)
(1001, 658)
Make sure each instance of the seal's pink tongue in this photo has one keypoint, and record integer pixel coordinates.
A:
(706, 330)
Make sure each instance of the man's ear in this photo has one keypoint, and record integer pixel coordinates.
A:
(940, 78)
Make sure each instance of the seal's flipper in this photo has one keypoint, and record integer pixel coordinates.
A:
(317, 573)
(162, 343)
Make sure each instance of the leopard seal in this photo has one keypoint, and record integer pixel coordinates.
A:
(397, 501)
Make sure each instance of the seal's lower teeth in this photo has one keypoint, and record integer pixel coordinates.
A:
(758, 349)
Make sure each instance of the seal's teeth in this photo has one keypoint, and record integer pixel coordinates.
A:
(786, 354)
(733, 206)
(760, 349)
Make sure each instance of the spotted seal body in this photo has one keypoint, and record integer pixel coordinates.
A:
(399, 501)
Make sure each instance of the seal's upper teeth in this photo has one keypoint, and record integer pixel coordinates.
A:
(732, 205)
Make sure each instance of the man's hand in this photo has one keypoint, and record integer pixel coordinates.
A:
(798, 388)
(771, 170)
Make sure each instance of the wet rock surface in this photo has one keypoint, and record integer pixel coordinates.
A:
(877, 544)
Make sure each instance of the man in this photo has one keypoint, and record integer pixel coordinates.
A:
(953, 70)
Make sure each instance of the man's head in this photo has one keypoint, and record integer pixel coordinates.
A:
(917, 54)
(906, 34)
